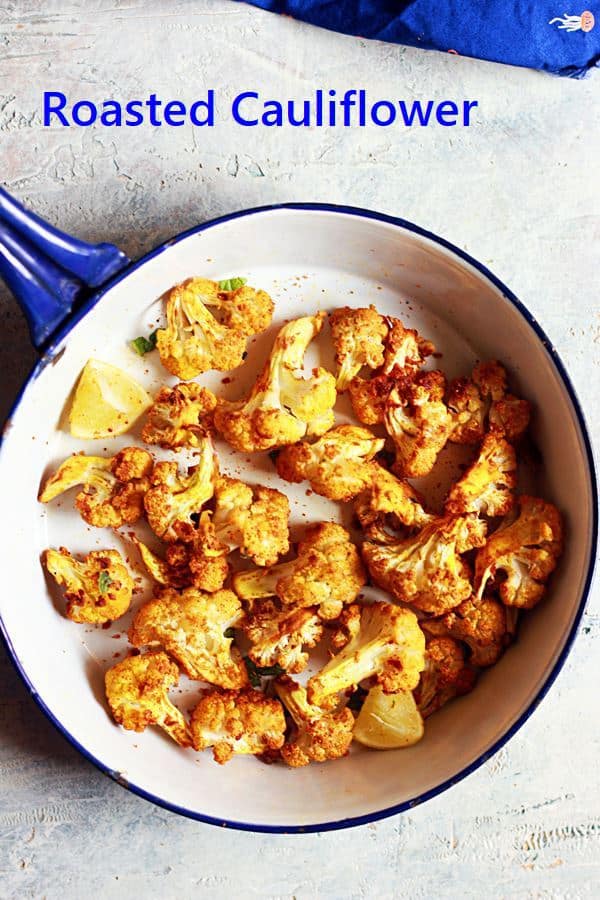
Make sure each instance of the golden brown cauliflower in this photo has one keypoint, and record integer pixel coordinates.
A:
(427, 569)
(389, 503)
(488, 484)
(318, 735)
(234, 722)
(179, 416)
(283, 407)
(280, 634)
(481, 624)
(97, 590)
(418, 422)
(405, 352)
(386, 643)
(113, 487)
(194, 340)
(483, 402)
(357, 336)
(524, 551)
(136, 690)
(199, 563)
(190, 625)
(338, 465)
(446, 675)
(251, 518)
(174, 500)
(244, 308)
(326, 574)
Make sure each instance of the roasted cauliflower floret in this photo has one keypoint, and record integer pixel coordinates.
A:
(244, 309)
(357, 336)
(190, 625)
(524, 551)
(237, 722)
(179, 416)
(175, 499)
(483, 402)
(338, 465)
(427, 569)
(318, 735)
(283, 407)
(387, 645)
(488, 484)
(326, 574)
(136, 690)
(97, 590)
(194, 341)
(389, 503)
(405, 352)
(481, 624)
(280, 635)
(113, 487)
(446, 675)
(418, 422)
(198, 563)
(251, 518)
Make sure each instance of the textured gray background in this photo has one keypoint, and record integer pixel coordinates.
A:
(520, 190)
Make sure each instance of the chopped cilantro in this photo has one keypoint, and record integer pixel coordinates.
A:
(229, 632)
(142, 345)
(255, 673)
(104, 581)
(232, 284)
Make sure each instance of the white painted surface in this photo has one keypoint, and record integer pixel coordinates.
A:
(520, 191)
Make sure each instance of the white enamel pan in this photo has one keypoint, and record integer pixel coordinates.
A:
(84, 302)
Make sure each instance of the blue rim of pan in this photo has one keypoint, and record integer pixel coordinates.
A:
(49, 355)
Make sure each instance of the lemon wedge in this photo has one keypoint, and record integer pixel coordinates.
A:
(107, 402)
(388, 721)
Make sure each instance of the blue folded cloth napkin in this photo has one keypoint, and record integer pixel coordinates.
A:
(538, 34)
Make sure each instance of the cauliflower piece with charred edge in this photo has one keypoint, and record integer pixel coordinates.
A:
(481, 624)
(327, 573)
(418, 422)
(136, 690)
(180, 416)
(488, 484)
(357, 336)
(97, 590)
(446, 675)
(280, 635)
(200, 563)
(389, 503)
(234, 722)
(525, 549)
(338, 465)
(405, 352)
(251, 518)
(387, 644)
(113, 487)
(318, 735)
(194, 341)
(174, 499)
(427, 569)
(283, 407)
(483, 398)
(190, 625)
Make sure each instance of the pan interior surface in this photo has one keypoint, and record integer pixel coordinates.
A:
(307, 260)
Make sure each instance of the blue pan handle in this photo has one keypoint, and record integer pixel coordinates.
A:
(47, 270)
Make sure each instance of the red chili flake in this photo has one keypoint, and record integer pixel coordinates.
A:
(309, 492)
(116, 636)
(226, 380)
(106, 625)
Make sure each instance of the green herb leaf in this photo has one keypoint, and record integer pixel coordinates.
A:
(255, 673)
(229, 632)
(232, 284)
(142, 345)
(104, 581)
